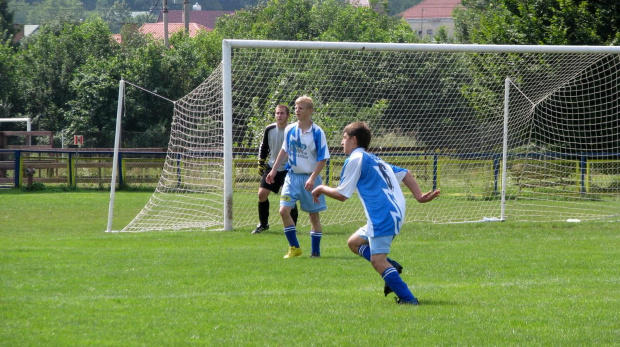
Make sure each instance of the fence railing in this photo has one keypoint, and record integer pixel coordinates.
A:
(588, 173)
(79, 167)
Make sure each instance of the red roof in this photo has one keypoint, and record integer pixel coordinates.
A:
(431, 9)
(157, 29)
(204, 18)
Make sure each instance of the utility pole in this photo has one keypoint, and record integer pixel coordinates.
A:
(166, 24)
(186, 15)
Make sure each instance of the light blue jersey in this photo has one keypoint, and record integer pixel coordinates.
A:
(305, 149)
(378, 186)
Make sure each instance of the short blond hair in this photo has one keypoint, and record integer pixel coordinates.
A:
(305, 100)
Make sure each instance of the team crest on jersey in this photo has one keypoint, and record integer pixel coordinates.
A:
(285, 198)
(299, 145)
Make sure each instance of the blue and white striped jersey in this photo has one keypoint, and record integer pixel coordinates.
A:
(304, 150)
(378, 186)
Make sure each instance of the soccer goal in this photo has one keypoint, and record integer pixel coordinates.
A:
(525, 133)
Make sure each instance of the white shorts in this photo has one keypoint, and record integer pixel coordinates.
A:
(378, 245)
(294, 190)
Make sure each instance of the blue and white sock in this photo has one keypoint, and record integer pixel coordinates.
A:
(291, 235)
(315, 236)
(392, 278)
(364, 252)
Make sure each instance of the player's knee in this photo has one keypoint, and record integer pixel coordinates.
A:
(263, 194)
(353, 246)
(285, 211)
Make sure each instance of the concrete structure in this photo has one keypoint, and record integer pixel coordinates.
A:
(426, 17)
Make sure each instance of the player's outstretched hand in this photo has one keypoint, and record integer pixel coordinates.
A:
(428, 196)
(316, 193)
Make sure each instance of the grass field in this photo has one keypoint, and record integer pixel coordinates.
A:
(63, 281)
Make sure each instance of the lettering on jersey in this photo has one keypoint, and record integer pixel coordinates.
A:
(297, 150)
(385, 175)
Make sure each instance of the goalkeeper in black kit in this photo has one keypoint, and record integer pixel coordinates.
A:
(267, 153)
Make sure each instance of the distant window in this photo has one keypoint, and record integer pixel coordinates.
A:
(419, 32)
(429, 32)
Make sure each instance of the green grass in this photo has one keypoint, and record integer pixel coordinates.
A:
(64, 281)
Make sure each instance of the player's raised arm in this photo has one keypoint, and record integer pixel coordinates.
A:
(327, 191)
(411, 183)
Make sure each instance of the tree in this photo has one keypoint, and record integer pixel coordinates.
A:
(56, 10)
(551, 22)
(115, 13)
(48, 62)
(8, 87)
(330, 20)
(6, 21)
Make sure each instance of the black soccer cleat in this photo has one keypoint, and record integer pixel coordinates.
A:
(387, 290)
(259, 229)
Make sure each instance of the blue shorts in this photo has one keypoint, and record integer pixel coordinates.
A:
(378, 245)
(293, 191)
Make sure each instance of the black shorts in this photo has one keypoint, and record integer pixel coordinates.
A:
(278, 181)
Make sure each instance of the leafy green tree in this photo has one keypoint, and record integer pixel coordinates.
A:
(6, 21)
(56, 10)
(8, 87)
(332, 20)
(551, 22)
(48, 62)
(20, 9)
(115, 13)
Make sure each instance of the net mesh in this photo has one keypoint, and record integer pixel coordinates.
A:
(441, 115)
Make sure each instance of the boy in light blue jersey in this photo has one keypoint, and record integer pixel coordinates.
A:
(378, 186)
(305, 148)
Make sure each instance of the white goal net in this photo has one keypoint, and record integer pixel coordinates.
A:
(527, 133)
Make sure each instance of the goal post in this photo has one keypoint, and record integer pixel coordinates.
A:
(506, 132)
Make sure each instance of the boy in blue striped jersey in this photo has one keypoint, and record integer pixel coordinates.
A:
(378, 186)
(305, 148)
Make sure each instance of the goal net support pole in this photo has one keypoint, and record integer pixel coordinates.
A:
(117, 144)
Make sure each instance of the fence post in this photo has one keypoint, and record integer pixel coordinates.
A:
(18, 168)
(70, 169)
(120, 170)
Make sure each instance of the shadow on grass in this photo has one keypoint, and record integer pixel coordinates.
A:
(437, 303)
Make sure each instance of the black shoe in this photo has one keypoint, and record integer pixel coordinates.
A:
(387, 290)
(412, 302)
(315, 255)
(395, 264)
(260, 228)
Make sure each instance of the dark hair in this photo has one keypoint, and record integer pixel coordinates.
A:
(284, 107)
(361, 131)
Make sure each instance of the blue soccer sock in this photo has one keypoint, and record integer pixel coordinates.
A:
(316, 236)
(364, 252)
(291, 235)
(392, 278)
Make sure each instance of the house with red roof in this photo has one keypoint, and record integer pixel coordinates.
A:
(157, 29)
(204, 18)
(426, 17)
